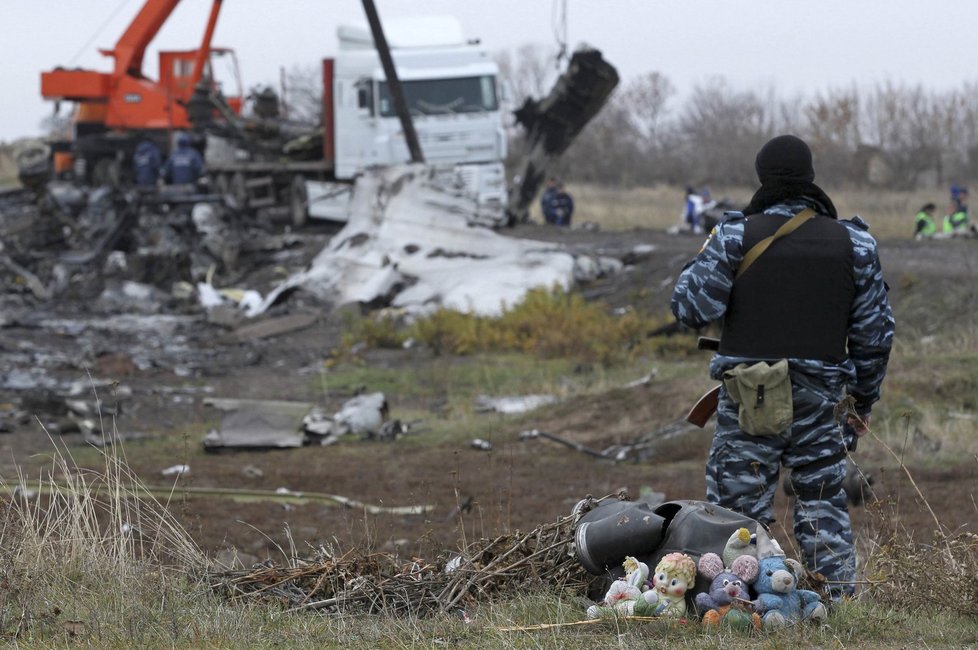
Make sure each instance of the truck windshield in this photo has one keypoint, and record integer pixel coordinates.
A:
(441, 96)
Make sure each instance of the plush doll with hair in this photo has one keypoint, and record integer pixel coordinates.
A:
(674, 574)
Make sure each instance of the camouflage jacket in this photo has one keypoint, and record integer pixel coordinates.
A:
(703, 289)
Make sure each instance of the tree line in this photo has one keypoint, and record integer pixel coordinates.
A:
(892, 135)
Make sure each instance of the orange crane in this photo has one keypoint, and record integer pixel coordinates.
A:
(116, 109)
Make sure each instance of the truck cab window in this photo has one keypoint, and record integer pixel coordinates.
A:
(443, 96)
(365, 95)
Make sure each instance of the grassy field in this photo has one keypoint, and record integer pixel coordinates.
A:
(890, 214)
(103, 564)
(69, 577)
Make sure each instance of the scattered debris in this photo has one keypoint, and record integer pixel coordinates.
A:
(392, 253)
(176, 470)
(266, 424)
(645, 446)
(464, 506)
(261, 424)
(510, 405)
(362, 415)
(275, 326)
(251, 471)
(25, 493)
(640, 450)
(481, 444)
(643, 381)
(281, 495)
(533, 434)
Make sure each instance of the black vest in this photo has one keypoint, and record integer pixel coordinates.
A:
(794, 301)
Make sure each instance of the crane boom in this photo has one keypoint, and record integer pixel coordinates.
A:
(131, 46)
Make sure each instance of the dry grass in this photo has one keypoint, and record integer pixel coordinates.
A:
(79, 548)
(70, 574)
(374, 583)
(889, 213)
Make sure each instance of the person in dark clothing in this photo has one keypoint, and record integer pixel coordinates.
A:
(185, 164)
(562, 207)
(959, 197)
(547, 200)
(692, 208)
(812, 306)
(146, 162)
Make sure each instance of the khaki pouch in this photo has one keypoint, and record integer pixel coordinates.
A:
(763, 393)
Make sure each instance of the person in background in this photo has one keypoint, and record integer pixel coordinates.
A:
(814, 304)
(707, 200)
(563, 207)
(547, 199)
(185, 164)
(956, 220)
(959, 196)
(146, 162)
(692, 209)
(924, 225)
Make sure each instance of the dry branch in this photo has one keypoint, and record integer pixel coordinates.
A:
(375, 582)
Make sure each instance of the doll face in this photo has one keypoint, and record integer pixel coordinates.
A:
(669, 585)
(734, 588)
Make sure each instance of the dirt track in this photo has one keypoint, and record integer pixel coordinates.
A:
(517, 485)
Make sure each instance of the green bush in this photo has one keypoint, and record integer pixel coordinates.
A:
(548, 323)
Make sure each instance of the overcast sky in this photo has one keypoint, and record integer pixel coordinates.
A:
(791, 45)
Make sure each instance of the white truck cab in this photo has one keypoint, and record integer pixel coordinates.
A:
(450, 87)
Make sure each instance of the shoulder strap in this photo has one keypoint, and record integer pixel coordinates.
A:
(786, 228)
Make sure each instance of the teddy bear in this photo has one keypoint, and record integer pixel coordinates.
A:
(778, 600)
(628, 596)
(674, 574)
(728, 600)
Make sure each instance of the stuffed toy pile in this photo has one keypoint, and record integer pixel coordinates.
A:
(749, 564)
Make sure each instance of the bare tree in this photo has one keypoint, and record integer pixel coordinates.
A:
(626, 142)
(609, 149)
(526, 73)
(719, 127)
(303, 93)
(893, 134)
(646, 98)
(831, 124)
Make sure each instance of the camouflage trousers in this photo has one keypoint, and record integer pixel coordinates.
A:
(742, 474)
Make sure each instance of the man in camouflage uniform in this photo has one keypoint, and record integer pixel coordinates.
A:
(815, 297)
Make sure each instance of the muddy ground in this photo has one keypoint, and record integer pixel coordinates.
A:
(160, 371)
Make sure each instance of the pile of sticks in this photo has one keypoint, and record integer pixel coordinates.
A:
(379, 582)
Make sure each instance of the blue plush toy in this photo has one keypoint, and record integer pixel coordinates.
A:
(778, 601)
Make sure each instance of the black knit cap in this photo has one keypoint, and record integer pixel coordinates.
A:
(785, 158)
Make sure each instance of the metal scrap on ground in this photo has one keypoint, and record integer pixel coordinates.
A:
(512, 404)
(269, 424)
(413, 242)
